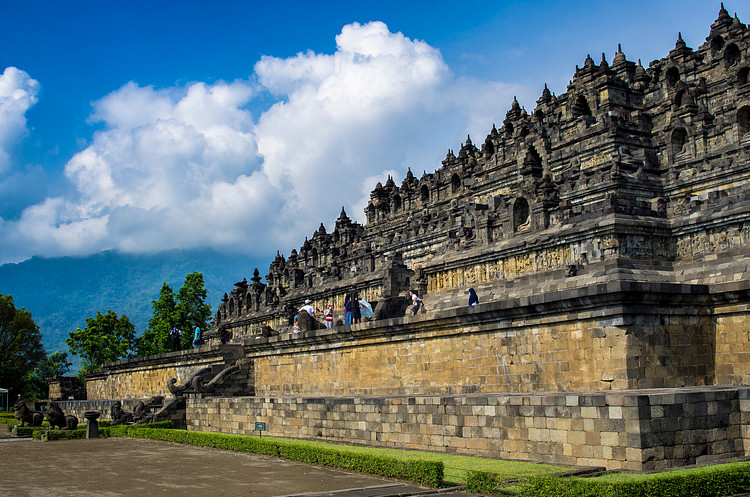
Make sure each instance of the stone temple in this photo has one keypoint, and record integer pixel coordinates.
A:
(607, 234)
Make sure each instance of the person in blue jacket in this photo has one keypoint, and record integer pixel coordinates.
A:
(473, 299)
(196, 336)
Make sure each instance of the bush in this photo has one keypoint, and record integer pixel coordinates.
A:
(59, 434)
(712, 481)
(26, 431)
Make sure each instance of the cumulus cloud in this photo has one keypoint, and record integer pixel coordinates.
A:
(18, 92)
(189, 166)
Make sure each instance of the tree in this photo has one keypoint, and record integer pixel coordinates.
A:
(20, 346)
(156, 339)
(192, 307)
(48, 369)
(180, 311)
(106, 338)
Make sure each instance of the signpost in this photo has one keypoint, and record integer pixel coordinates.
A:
(261, 427)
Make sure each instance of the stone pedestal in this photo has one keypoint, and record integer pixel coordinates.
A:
(92, 425)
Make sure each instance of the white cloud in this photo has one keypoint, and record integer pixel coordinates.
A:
(18, 92)
(185, 167)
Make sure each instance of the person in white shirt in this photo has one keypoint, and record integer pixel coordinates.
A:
(309, 308)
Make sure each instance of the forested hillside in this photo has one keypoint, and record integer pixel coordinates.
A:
(62, 292)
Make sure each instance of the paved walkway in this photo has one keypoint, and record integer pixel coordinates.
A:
(114, 467)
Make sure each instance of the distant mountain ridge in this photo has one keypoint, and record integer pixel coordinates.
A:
(62, 292)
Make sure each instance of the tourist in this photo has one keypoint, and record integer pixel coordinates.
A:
(416, 302)
(354, 303)
(295, 328)
(196, 336)
(328, 313)
(473, 299)
(348, 309)
(309, 308)
(176, 336)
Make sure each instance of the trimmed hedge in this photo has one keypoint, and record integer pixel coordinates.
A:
(423, 472)
(704, 482)
(105, 431)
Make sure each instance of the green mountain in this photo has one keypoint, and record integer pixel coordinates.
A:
(62, 292)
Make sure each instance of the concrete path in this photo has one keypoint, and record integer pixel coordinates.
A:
(114, 467)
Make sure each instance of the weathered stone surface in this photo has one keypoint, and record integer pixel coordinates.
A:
(145, 377)
(632, 174)
(507, 428)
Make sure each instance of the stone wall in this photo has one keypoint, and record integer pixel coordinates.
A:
(606, 336)
(733, 337)
(67, 388)
(632, 430)
(144, 377)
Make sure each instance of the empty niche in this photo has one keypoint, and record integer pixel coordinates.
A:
(717, 43)
(731, 55)
(743, 120)
(679, 140)
(424, 194)
(679, 98)
(396, 203)
(581, 107)
(672, 76)
(742, 75)
(521, 214)
(533, 156)
(455, 183)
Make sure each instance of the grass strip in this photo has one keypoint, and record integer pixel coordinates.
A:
(456, 467)
(710, 481)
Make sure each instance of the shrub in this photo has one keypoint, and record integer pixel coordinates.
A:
(713, 481)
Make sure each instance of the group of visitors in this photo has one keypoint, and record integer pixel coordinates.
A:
(176, 336)
(312, 311)
(355, 307)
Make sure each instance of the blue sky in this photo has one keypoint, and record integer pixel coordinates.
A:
(143, 126)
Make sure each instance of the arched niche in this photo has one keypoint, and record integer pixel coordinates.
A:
(581, 107)
(732, 55)
(489, 147)
(231, 307)
(396, 203)
(521, 214)
(679, 140)
(717, 43)
(455, 183)
(742, 76)
(743, 120)
(424, 194)
(672, 76)
(680, 98)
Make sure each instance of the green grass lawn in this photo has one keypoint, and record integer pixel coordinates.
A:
(455, 466)
(626, 477)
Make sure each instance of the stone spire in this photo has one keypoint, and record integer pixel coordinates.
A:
(515, 109)
(619, 57)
